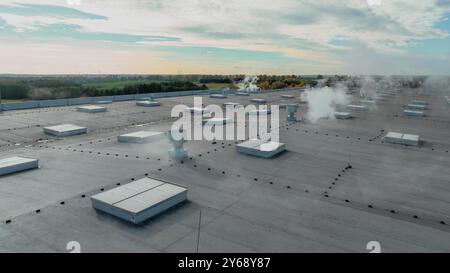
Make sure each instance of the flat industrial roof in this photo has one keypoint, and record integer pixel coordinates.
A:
(307, 199)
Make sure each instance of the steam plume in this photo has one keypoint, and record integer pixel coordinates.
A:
(248, 84)
(323, 102)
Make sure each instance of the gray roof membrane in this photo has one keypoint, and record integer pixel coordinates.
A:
(337, 187)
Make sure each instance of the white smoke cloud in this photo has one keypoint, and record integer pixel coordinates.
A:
(436, 85)
(323, 102)
(368, 88)
(249, 84)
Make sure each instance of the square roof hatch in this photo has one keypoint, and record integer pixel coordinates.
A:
(17, 164)
(139, 200)
(65, 130)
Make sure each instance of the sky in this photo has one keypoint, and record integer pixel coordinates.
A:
(401, 37)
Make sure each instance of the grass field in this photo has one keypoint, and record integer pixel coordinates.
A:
(11, 101)
(216, 86)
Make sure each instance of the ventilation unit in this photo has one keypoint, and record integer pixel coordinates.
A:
(378, 98)
(65, 130)
(288, 97)
(412, 113)
(91, 109)
(17, 164)
(103, 102)
(342, 115)
(218, 96)
(368, 102)
(148, 103)
(260, 101)
(260, 112)
(400, 138)
(139, 200)
(177, 138)
(412, 140)
(197, 111)
(291, 112)
(216, 121)
(356, 108)
(419, 102)
(259, 148)
(284, 105)
(232, 104)
(140, 137)
(417, 106)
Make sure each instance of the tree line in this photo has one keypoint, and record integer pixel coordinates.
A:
(56, 89)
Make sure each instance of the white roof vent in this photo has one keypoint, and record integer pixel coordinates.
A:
(65, 130)
(357, 108)
(342, 115)
(139, 200)
(218, 96)
(140, 137)
(91, 109)
(400, 138)
(417, 106)
(257, 100)
(412, 113)
(148, 103)
(259, 148)
(17, 164)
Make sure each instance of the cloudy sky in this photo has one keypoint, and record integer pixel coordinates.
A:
(225, 36)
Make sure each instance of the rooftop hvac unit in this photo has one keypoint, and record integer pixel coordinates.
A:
(417, 106)
(419, 102)
(412, 140)
(291, 112)
(259, 148)
(91, 109)
(177, 138)
(216, 121)
(139, 200)
(368, 102)
(285, 105)
(288, 96)
(342, 115)
(197, 111)
(259, 101)
(141, 137)
(218, 96)
(412, 113)
(17, 164)
(378, 98)
(400, 138)
(103, 102)
(232, 104)
(148, 103)
(260, 112)
(356, 108)
(65, 130)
